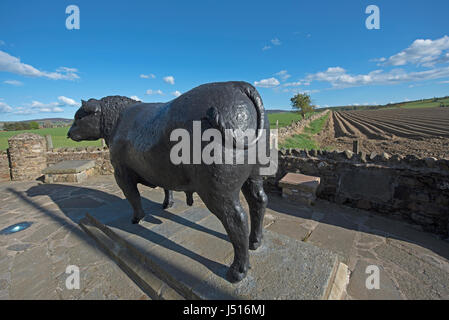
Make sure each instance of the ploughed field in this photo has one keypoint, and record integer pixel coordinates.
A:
(422, 132)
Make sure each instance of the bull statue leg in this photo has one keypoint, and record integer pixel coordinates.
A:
(127, 181)
(257, 201)
(228, 209)
(168, 200)
(189, 198)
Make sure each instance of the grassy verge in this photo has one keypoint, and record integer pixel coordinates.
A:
(285, 119)
(305, 140)
(58, 135)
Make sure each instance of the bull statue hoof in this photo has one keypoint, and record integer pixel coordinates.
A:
(136, 219)
(168, 204)
(234, 275)
(254, 245)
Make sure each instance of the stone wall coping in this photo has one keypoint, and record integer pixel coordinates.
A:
(90, 149)
(26, 136)
(69, 166)
(300, 181)
(362, 159)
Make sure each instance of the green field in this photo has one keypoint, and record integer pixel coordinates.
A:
(285, 118)
(423, 103)
(59, 137)
(428, 103)
(305, 140)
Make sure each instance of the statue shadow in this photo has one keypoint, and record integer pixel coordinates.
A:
(75, 202)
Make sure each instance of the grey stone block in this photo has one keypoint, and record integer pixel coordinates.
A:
(69, 166)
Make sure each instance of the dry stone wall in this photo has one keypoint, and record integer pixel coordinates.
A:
(27, 156)
(5, 173)
(409, 188)
(103, 164)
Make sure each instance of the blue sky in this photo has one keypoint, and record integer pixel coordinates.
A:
(156, 50)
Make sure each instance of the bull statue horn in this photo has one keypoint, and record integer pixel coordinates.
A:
(92, 106)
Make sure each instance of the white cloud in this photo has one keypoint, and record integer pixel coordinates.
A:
(147, 76)
(176, 93)
(169, 79)
(297, 90)
(283, 74)
(339, 78)
(13, 82)
(67, 70)
(266, 48)
(293, 84)
(4, 108)
(38, 104)
(444, 81)
(136, 98)
(422, 52)
(276, 42)
(12, 64)
(267, 83)
(150, 91)
(54, 109)
(22, 110)
(67, 101)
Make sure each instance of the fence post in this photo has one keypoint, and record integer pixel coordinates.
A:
(356, 146)
(49, 142)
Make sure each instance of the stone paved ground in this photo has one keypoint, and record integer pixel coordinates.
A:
(413, 264)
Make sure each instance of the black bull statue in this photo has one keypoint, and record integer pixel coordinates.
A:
(138, 136)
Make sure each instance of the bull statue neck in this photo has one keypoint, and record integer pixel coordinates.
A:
(110, 115)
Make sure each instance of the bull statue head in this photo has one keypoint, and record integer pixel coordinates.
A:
(87, 123)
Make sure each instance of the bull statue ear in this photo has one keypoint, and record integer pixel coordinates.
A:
(92, 106)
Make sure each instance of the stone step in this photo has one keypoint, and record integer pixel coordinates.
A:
(69, 171)
(190, 253)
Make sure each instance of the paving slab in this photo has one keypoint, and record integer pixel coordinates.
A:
(413, 264)
(357, 287)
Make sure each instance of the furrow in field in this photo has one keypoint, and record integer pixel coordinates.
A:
(431, 115)
(370, 131)
(416, 118)
(409, 126)
(423, 127)
(394, 130)
(440, 121)
(352, 131)
(339, 128)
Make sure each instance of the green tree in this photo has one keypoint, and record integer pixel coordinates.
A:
(34, 125)
(303, 103)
